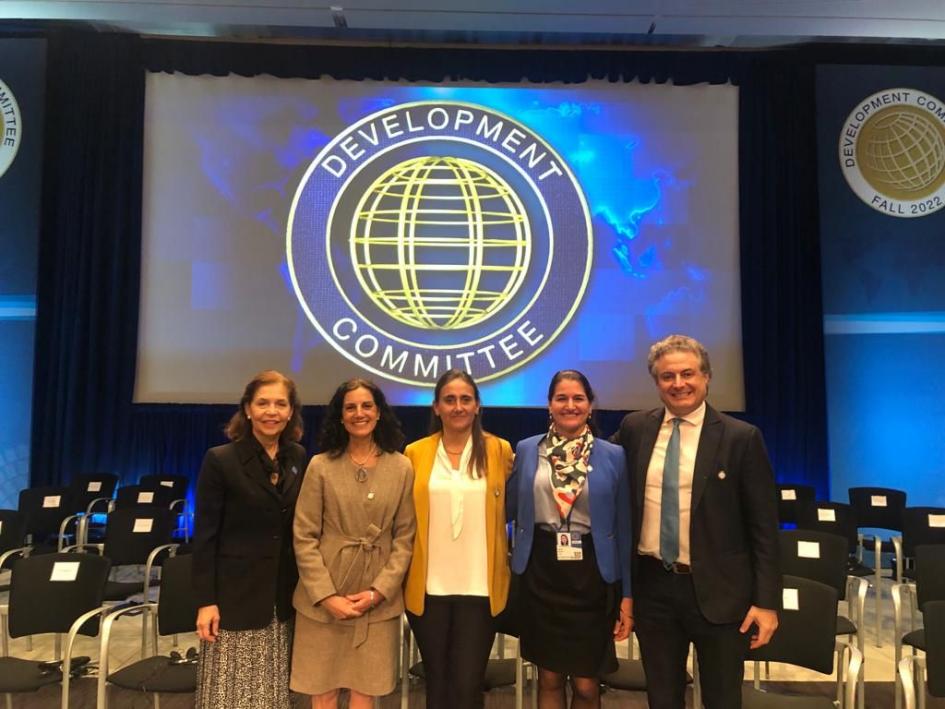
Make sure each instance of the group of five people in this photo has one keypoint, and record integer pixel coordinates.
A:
(668, 529)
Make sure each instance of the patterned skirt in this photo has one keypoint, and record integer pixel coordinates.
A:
(245, 669)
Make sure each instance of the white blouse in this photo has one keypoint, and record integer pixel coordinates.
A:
(457, 563)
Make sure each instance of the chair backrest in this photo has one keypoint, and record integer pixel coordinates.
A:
(44, 509)
(177, 604)
(789, 495)
(131, 533)
(830, 517)
(820, 556)
(807, 626)
(877, 507)
(929, 573)
(934, 620)
(49, 592)
(91, 486)
(177, 484)
(143, 496)
(12, 530)
(922, 525)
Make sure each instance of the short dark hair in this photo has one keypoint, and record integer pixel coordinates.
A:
(333, 438)
(240, 427)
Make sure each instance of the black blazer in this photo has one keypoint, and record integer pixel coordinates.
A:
(243, 559)
(733, 527)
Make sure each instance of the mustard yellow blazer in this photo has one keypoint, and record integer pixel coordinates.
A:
(422, 454)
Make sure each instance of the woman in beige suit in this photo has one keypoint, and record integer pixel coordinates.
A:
(354, 528)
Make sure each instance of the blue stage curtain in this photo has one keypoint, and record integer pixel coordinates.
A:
(90, 254)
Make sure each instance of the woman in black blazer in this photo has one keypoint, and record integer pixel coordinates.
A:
(244, 569)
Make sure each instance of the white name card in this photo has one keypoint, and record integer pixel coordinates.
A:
(51, 500)
(143, 526)
(789, 494)
(94, 487)
(167, 483)
(937, 520)
(145, 498)
(790, 600)
(64, 571)
(809, 550)
(826, 514)
(878, 500)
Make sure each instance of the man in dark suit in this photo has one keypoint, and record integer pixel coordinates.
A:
(705, 533)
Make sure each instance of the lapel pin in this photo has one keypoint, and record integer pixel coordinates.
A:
(721, 475)
(370, 496)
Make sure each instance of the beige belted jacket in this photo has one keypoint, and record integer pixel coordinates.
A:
(351, 536)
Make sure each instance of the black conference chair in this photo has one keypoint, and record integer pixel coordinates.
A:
(822, 557)
(789, 496)
(920, 526)
(877, 508)
(12, 534)
(176, 609)
(143, 496)
(92, 493)
(50, 593)
(135, 536)
(933, 664)
(806, 638)
(177, 484)
(48, 512)
(929, 587)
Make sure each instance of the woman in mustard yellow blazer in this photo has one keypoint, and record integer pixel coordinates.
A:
(458, 580)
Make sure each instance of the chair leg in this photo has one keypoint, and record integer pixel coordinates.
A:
(519, 680)
(404, 664)
(9, 700)
(157, 701)
(877, 567)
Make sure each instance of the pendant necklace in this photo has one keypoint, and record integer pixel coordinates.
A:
(361, 475)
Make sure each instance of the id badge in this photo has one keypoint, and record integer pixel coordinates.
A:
(569, 546)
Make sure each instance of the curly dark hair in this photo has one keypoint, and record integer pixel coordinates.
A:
(333, 438)
(239, 426)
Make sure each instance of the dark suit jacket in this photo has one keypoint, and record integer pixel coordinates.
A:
(243, 559)
(733, 527)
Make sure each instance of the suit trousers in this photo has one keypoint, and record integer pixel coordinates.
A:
(455, 636)
(666, 620)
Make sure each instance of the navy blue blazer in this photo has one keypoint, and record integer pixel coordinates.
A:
(609, 489)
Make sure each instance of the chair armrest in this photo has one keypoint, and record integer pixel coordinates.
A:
(23, 551)
(62, 529)
(172, 548)
(67, 650)
(90, 510)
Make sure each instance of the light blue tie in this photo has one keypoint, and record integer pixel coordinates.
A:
(669, 505)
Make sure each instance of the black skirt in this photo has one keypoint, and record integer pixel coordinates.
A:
(567, 611)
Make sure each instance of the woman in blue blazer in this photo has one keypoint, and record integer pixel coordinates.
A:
(570, 498)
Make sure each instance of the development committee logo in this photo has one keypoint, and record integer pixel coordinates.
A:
(892, 152)
(438, 234)
(10, 128)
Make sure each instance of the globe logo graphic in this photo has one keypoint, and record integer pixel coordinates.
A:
(902, 153)
(440, 242)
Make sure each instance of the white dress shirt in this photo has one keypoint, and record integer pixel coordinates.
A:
(689, 431)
